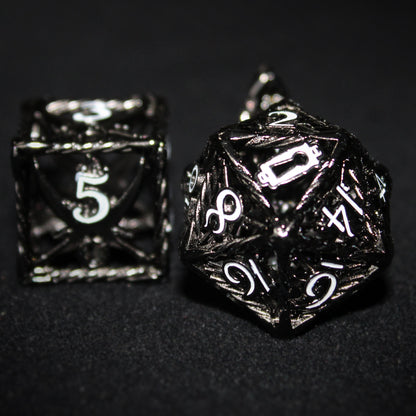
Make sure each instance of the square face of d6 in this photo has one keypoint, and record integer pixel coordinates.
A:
(91, 191)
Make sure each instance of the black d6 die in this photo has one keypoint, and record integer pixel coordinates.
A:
(91, 190)
(284, 212)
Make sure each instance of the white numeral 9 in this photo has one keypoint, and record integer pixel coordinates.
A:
(311, 284)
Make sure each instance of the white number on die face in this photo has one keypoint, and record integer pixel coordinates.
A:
(219, 212)
(193, 179)
(343, 226)
(92, 111)
(287, 116)
(247, 273)
(311, 284)
(83, 178)
(382, 185)
(251, 272)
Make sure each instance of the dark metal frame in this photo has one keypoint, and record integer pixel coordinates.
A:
(140, 131)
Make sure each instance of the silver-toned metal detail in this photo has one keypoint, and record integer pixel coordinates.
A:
(266, 91)
(92, 111)
(35, 132)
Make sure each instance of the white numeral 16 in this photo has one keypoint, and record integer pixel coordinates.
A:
(81, 179)
(247, 272)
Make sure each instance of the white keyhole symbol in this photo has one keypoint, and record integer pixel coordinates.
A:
(81, 179)
(98, 111)
(219, 212)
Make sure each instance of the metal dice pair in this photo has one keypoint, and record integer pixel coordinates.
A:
(91, 188)
(285, 212)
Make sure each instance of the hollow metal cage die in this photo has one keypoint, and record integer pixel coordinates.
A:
(91, 190)
(285, 213)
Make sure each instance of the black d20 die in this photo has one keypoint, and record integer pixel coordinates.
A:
(285, 212)
(91, 190)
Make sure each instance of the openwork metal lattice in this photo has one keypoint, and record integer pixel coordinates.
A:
(91, 189)
(285, 213)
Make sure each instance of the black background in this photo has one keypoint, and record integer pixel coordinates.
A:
(117, 348)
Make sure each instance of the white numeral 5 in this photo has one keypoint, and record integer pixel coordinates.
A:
(81, 179)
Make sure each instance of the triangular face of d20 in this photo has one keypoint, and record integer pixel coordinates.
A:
(221, 214)
(247, 276)
(348, 219)
(281, 157)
